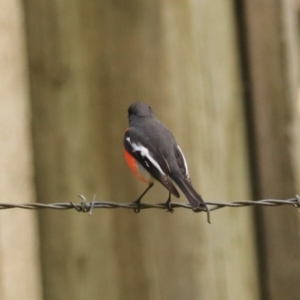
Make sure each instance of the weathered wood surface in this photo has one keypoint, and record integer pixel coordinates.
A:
(273, 66)
(89, 60)
(19, 257)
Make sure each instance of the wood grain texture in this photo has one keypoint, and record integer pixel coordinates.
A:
(89, 60)
(273, 65)
(19, 259)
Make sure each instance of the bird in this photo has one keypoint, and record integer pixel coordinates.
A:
(152, 153)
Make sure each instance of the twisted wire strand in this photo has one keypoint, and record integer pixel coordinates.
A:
(85, 206)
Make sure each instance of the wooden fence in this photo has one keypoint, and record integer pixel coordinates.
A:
(222, 75)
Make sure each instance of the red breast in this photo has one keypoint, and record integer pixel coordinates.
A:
(137, 168)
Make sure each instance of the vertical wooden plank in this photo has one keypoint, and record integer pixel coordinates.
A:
(89, 60)
(19, 259)
(203, 83)
(273, 71)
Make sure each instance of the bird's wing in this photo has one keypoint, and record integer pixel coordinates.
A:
(150, 158)
(182, 163)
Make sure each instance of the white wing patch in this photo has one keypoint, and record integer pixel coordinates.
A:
(145, 153)
(185, 164)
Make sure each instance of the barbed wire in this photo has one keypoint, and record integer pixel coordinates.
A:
(85, 206)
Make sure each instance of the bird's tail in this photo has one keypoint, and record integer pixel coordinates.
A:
(193, 197)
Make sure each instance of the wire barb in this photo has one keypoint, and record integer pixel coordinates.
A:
(93, 204)
(84, 206)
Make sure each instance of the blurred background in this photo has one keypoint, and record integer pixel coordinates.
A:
(222, 75)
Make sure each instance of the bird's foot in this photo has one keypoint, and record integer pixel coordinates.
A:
(137, 202)
(169, 205)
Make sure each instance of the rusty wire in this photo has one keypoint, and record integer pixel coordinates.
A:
(85, 206)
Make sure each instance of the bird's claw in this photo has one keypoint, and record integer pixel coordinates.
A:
(169, 205)
(137, 209)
